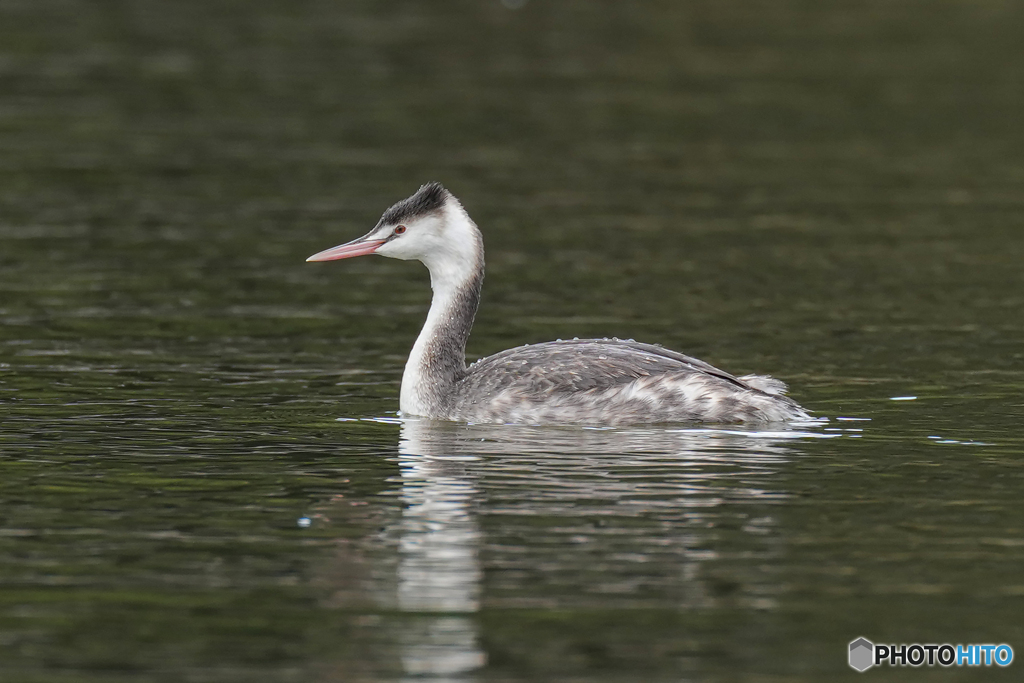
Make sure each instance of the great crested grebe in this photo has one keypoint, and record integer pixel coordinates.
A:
(582, 381)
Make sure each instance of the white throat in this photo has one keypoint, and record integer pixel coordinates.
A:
(438, 358)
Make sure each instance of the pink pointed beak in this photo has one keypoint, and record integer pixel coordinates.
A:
(359, 247)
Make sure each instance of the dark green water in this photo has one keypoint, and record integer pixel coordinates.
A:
(832, 193)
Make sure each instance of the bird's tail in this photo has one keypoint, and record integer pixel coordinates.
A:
(769, 385)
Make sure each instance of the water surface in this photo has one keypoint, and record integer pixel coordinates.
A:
(203, 475)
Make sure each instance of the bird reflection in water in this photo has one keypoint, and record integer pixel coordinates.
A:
(439, 565)
(654, 491)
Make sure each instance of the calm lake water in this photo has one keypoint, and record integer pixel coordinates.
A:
(202, 473)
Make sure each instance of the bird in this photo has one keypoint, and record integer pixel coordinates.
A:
(601, 382)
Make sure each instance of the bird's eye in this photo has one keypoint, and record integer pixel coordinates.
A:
(399, 229)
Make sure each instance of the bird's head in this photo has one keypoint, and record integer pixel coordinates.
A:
(430, 226)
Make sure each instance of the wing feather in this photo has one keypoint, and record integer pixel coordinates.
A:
(581, 365)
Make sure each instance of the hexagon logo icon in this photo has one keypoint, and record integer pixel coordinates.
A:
(862, 654)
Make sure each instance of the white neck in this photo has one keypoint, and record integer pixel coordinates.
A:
(438, 358)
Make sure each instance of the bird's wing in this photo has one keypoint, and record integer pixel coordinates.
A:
(581, 365)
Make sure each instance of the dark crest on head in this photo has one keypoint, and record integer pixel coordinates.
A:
(429, 197)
